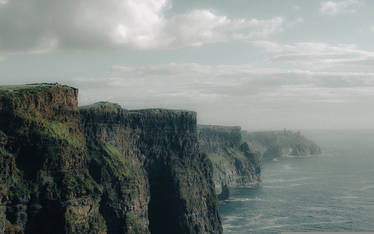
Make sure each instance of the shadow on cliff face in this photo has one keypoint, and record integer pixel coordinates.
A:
(95, 170)
(163, 204)
(49, 219)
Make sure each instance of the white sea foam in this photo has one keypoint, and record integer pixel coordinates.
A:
(277, 226)
(244, 199)
(282, 180)
(368, 187)
(316, 208)
(231, 218)
(345, 197)
(286, 167)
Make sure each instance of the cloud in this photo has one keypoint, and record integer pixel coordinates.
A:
(336, 7)
(295, 22)
(317, 55)
(178, 85)
(199, 27)
(30, 26)
(243, 95)
(296, 7)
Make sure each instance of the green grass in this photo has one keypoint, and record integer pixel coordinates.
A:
(15, 87)
(83, 184)
(14, 91)
(106, 106)
(45, 127)
(52, 129)
(12, 186)
(116, 161)
(110, 158)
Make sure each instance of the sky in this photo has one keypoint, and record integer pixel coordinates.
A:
(259, 64)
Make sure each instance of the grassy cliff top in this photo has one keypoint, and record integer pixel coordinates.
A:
(162, 110)
(14, 89)
(219, 127)
(106, 106)
(109, 106)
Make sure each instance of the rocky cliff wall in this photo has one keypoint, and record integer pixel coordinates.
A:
(161, 147)
(45, 185)
(233, 161)
(275, 144)
(117, 165)
(101, 170)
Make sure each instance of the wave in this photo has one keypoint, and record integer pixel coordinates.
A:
(345, 197)
(280, 180)
(368, 187)
(244, 199)
(316, 208)
(277, 226)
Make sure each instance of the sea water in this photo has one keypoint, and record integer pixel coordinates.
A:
(331, 192)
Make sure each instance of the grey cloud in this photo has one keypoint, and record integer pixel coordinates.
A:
(211, 84)
(338, 7)
(317, 56)
(36, 26)
(237, 94)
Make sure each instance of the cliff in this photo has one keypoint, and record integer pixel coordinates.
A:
(275, 144)
(173, 179)
(45, 184)
(233, 162)
(102, 169)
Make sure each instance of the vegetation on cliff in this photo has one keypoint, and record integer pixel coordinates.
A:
(233, 161)
(102, 169)
(275, 144)
(43, 160)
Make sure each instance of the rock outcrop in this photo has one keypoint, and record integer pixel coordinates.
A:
(275, 144)
(45, 184)
(233, 161)
(166, 169)
(102, 169)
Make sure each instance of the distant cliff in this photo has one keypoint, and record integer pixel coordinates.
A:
(276, 144)
(100, 169)
(234, 163)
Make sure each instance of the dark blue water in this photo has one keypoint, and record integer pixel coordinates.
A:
(332, 192)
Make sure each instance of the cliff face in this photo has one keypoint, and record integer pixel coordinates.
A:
(117, 165)
(101, 170)
(173, 180)
(45, 185)
(275, 144)
(233, 162)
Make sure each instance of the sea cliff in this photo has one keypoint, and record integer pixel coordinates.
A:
(272, 145)
(100, 168)
(237, 155)
(234, 163)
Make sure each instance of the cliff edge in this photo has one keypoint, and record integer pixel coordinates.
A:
(233, 161)
(45, 184)
(100, 169)
(275, 144)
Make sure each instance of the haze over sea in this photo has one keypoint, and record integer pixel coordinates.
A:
(331, 192)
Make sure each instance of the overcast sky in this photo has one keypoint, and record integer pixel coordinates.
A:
(261, 64)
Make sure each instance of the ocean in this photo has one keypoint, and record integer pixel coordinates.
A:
(331, 192)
